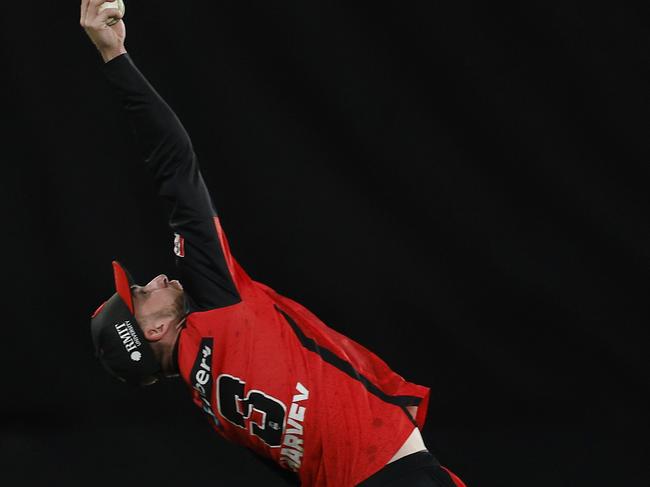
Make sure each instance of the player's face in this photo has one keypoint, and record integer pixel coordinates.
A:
(160, 297)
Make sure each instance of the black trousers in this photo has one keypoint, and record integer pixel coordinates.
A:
(419, 469)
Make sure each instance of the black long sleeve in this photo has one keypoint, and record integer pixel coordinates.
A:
(160, 135)
(167, 151)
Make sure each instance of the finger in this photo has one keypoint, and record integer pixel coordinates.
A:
(84, 10)
(106, 14)
(93, 10)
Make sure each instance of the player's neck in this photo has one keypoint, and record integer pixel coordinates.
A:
(170, 367)
(166, 351)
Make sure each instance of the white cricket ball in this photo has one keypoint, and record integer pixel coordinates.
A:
(119, 4)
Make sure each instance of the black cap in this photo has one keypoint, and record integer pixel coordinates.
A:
(119, 342)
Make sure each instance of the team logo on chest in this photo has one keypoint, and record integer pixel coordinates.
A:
(179, 245)
(201, 376)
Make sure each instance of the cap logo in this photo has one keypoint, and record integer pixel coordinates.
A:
(128, 336)
(136, 356)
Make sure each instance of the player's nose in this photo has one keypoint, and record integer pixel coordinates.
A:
(158, 282)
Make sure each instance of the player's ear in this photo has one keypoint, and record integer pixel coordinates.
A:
(156, 330)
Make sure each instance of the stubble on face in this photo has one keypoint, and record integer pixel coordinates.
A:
(172, 308)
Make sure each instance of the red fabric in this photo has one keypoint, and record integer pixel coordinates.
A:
(122, 285)
(101, 306)
(454, 477)
(346, 433)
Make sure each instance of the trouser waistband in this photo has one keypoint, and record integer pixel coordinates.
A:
(398, 468)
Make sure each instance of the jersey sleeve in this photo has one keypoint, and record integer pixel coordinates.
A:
(167, 151)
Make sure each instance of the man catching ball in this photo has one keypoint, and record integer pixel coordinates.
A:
(268, 374)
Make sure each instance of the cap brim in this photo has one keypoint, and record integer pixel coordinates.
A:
(123, 283)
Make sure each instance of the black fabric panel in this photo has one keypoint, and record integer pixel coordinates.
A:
(346, 367)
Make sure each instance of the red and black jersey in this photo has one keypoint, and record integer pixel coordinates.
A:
(268, 373)
(274, 378)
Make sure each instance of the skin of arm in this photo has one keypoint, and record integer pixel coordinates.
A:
(109, 40)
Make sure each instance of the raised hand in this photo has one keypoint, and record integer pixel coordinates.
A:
(109, 40)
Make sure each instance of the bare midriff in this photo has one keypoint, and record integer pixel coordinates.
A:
(414, 443)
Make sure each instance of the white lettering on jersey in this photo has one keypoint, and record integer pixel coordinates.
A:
(292, 449)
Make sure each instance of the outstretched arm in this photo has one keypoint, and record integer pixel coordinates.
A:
(167, 151)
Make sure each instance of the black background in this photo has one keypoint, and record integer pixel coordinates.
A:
(460, 186)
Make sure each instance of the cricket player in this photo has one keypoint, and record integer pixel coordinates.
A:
(268, 374)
